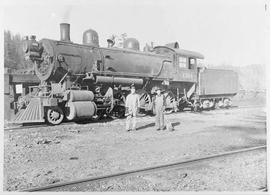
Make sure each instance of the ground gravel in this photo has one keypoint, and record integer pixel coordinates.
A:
(240, 172)
(46, 155)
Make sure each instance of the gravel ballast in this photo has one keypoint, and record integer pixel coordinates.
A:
(46, 155)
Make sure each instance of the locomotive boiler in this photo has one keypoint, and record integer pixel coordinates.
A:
(88, 81)
(53, 59)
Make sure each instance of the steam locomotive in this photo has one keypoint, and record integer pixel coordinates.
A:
(85, 80)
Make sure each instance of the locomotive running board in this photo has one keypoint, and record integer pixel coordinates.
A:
(32, 114)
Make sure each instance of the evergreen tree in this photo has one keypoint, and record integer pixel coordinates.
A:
(13, 53)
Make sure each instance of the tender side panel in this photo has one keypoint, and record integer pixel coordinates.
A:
(215, 82)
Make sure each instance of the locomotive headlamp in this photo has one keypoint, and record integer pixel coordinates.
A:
(32, 47)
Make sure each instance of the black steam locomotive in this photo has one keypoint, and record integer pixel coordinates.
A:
(88, 81)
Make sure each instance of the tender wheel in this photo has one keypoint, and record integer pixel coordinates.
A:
(212, 105)
(220, 104)
(205, 104)
(55, 115)
(227, 103)
(197, 107)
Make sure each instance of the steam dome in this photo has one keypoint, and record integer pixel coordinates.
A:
(132, 43)
(90, 37)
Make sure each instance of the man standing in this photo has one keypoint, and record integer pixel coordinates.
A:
(132, 105)
(159, 106)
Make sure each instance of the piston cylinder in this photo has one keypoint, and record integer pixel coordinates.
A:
(79, 95)
(81, 109)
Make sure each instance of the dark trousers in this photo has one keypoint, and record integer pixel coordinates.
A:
(159, 118)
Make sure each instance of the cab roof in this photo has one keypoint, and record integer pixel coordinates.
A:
(182, 52)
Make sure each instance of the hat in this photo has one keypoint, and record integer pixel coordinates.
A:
(110, 41)
(158, 88)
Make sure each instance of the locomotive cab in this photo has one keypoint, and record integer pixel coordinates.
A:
(183, 73)
(184, 62)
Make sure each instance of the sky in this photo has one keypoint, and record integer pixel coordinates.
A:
(231, 32)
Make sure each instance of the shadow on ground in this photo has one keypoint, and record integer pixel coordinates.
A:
(153, 124)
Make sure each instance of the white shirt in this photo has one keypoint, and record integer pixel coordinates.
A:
(133, 101)
(159, 102)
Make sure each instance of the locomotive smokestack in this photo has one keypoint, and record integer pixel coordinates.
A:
(65, 32)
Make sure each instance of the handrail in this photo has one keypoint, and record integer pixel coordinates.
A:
(162, 68)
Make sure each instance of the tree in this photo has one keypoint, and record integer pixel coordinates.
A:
(13, 54)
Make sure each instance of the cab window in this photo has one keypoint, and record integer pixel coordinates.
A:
(182, 62)
(192, 63)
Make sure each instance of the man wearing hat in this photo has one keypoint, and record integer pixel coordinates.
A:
(111, 41)
(132, 105)
(159, 106)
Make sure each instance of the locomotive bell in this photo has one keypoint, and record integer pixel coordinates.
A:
(90, 37)
(65, 32)
(132, 43)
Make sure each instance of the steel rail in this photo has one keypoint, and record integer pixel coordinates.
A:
(66, 123)
(263, 189)
(175, 165)
(34, 126)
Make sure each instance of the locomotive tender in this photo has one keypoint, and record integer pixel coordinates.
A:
(87, 81)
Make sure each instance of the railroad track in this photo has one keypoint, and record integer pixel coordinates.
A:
(176, 165)
(263, 189)
(103, 120)
(33, 126)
